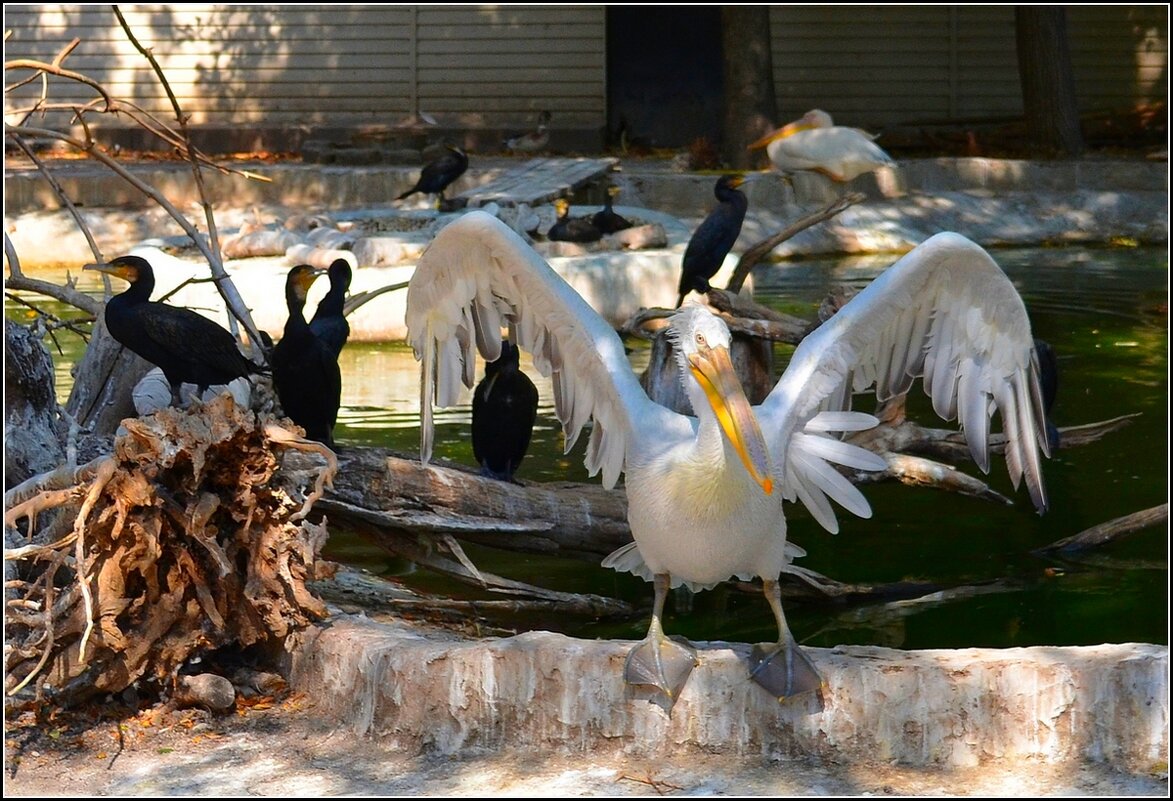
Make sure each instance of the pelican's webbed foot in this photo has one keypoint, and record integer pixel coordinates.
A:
(662, 663)
(658, 664)
(783, 670)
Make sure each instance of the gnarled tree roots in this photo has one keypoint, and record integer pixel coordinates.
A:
(190, 537)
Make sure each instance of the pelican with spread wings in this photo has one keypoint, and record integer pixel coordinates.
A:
(705, 492)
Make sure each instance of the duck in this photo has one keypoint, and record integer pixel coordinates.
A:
(531, 141)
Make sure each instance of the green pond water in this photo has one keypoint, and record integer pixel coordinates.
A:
(1104, 311)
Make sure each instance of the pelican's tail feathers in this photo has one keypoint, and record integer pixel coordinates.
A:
(628, 560)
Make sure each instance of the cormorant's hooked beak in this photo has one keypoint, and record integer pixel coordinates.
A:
(307, 278)
(786, 130)
(713, 369)
(123, 271)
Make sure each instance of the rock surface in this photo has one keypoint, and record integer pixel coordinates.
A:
(418, 689)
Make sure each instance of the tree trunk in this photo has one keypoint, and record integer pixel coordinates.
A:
(104, 380)
(1048, 79)
(749, 107)
(33, 432)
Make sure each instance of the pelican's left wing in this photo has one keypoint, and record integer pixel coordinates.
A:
(478, 275)
(945, 311)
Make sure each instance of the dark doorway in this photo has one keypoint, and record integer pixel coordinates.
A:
(664, 74)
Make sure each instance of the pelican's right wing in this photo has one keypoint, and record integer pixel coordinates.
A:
(478, 275)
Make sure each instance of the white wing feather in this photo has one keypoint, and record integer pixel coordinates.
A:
(477, 276)
(945, 311)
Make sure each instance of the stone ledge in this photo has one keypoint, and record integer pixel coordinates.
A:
(421, 689)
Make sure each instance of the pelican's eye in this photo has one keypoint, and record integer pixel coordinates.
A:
(700, 340)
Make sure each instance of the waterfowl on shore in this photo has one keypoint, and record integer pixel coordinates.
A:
(438, 175)
(571, 229)
(814, 143)
(531, 141)
(329, 322)
(607, 220)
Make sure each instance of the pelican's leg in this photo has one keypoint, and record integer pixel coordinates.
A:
(658, 661)
(784, 670)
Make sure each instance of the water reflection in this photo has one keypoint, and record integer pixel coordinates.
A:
(1105, 313)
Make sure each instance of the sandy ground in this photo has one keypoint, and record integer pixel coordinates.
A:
(280, 748)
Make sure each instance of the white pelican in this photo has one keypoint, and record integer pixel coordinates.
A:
(705, 493)
(814, 142)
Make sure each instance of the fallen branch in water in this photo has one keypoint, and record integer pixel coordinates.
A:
(1109, 532)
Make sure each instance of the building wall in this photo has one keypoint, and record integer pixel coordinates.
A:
(882, 65)
(235, 66)
(469, 66)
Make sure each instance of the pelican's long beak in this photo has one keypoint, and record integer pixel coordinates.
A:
(714, 371)
(783, 132)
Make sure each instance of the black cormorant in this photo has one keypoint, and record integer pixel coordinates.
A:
(607, 220)
(504, 406)
(1049, 384)
(305, 370)
(437, 175)
(188, 347)
(571, 229)
(329, 322)
(713, 238)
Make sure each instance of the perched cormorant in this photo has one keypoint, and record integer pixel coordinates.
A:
(437, 175)
(305, 370)
(329, 322)
(713, 238)
(188, 347)
(504, 407)
(571, 229)
(607, 220)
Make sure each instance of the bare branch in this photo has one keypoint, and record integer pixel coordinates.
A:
(362, 298)
(64, 198)
(1110, 531)
(214, 259)
(56, 69)
(759, 251)
(223, 282)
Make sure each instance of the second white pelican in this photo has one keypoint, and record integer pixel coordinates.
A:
(814, 142)
(705, 493)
